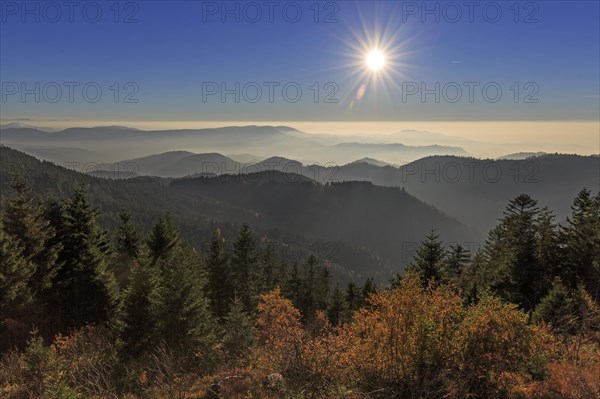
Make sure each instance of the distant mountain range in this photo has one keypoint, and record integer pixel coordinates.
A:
(115, 143)
(463, 187)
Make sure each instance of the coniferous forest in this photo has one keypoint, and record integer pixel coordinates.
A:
(88, 313)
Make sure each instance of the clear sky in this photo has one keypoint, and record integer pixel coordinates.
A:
(175, 57)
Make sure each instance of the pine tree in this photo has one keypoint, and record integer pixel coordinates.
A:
(510, 254)
(128, 236)
(314, 288)
(548, 254)
(137, 322)
(15, 272)
(245, 268)
(429, 259)
(455, 263)
(164, 237)
(25, 224)
(353, 299)
(238, 337)
(219, 287)
(558, 308)
(179, 306)
(83, 289)
(269, 271)
(368, 288)
(293, 285)
(581, 238)
(338, 309)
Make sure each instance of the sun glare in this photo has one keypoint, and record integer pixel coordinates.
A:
(375, 60)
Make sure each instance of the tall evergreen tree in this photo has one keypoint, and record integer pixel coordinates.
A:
(269, 271)
(429, 259)
(315, 288)
(164, 237)
(338, 308)
(455, 263)
(368, 288)
(179, 306)
(353, 297)
(510, 254)
(15, 272)
(219, 287)
(293, 285)
(24, 222)
(137, 322)
(238, 337)
(84, 291)
(245, 268)
(581, 239)
(128, 236)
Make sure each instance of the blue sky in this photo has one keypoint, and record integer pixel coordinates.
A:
(173, 50)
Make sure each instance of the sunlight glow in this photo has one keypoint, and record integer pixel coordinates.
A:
(375, 60)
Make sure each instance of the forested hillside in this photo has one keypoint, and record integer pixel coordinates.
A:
(340, 222)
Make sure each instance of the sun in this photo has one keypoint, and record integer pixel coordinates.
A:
(375, 60)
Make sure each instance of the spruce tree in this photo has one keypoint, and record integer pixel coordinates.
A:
(559, 308)
(164, 237)
(429, 259)
(128, 236)
(314, 288)
(219, 287)
(84, 291)
(269, 271)
(245, 268)
(293, 285)
(368, 288)
(25, 224)
(353, 299)
(238, 337)
(15, 272)
(179, 307)
(455, 263)
(581, 239)
(137, 322)
(338, 309)
(511, 257)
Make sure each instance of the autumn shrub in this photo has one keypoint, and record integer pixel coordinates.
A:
(569, 381)
(422, 342)
(280, 334)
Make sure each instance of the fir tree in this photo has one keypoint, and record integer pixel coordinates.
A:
(219, 287)
(238, 337)
(164, 237)
(179, 306)
(25, 223)
(558, 308)
(353, 299)
(510, 254)
(293, 285)
(455, 263)
(245, 268)
(128, 236)
(338, 309)
(429, 259)
(15, 272)
(138, 323)
(84, 291)
(368, 288)
(581, 239)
